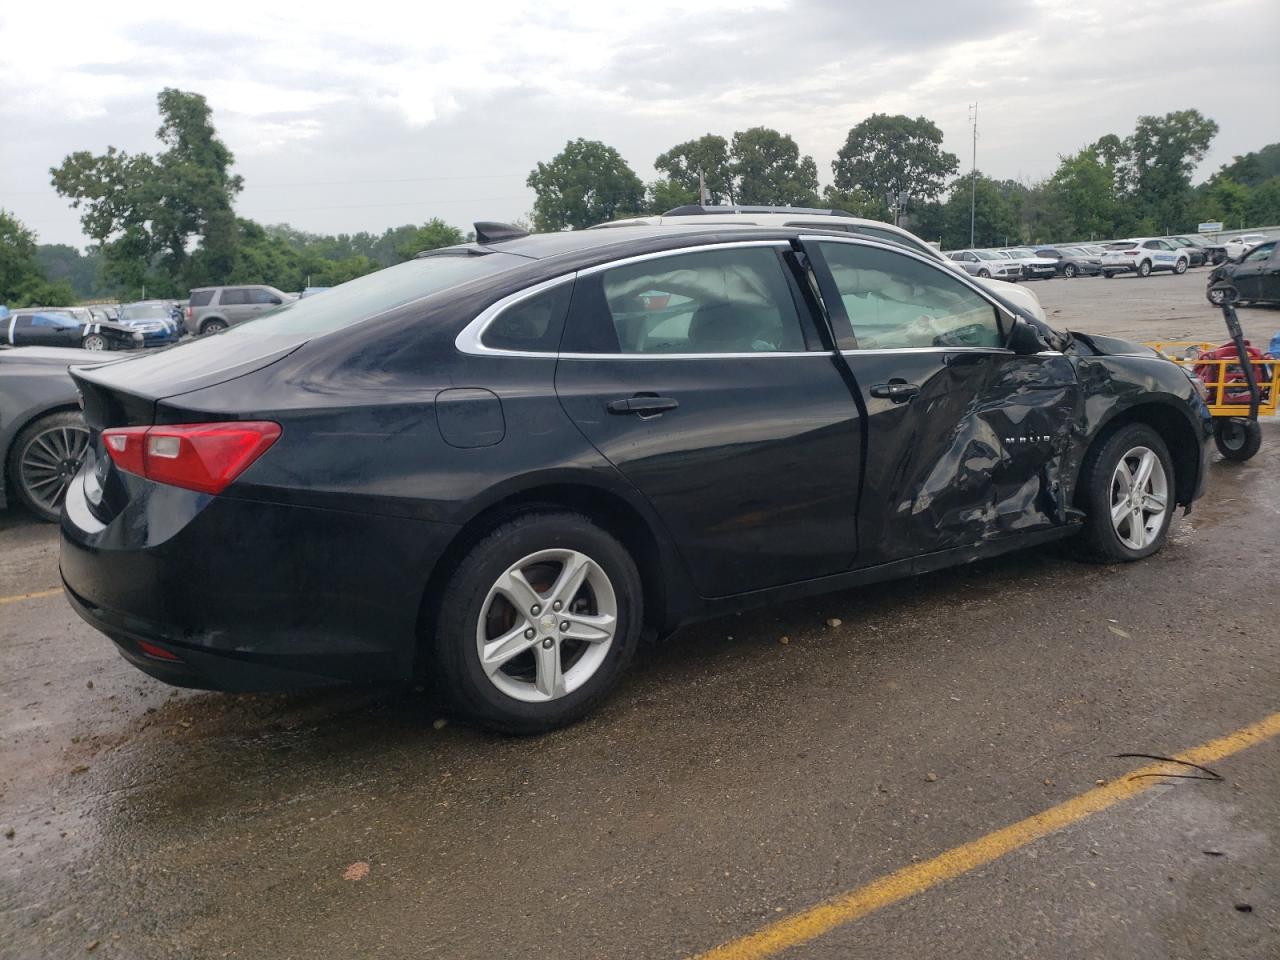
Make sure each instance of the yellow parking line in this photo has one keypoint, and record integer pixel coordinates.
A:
(30, 596)
(907, 882)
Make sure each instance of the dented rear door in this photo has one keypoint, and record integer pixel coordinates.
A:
(966, 441)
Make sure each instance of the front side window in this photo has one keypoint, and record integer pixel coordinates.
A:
(714, 301)
(896, 302)
(1261, 252)
(263, 296)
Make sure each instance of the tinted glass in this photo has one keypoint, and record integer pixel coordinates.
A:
(144, 311)
(532, 325)
(59, 320)
(895, 301)
(263, 296)
(1261, 252)
(891, 237)
(375, 293)
(234, 297)
(201, 298)
(718, 301)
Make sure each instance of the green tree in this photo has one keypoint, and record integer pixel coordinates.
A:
(856, 202)
(144, 211)
(1264, 203)
(60, 261)
(1224, 199)
(22, 283)
(896, 155)
(585, 184)
(995, 222)
(666, 194)
(768, 169)
(1256, 167)
(708, 155)
(1162, 155)
(1080, 197)
(431, 235)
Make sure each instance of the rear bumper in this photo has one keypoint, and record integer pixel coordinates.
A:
(250, 595)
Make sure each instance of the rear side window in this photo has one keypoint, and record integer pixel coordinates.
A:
(234, 297)
(201, 298)
(707, 302)
(896, 302)
(533, 325)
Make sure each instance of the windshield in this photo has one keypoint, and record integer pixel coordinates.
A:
(987, 255)
(144, 311)
(376, 293)
(1022, 252)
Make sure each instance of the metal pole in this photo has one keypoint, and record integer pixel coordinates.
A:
(973, 194)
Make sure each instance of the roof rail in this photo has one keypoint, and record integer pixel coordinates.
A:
(489, 231)
(695, 209)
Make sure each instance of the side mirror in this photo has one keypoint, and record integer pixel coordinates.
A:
(1024, 339)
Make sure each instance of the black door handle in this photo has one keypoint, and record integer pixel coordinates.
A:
(644, 406)
(899, 391)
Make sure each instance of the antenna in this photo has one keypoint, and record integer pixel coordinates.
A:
(973, 192)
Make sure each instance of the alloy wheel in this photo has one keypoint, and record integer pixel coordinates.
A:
(1139, 497)
(94, 341)
(49, 462)
(546, 625)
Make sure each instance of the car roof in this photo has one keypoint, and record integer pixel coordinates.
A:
(540, 246)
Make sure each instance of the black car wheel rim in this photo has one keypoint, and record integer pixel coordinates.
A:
(49, 462)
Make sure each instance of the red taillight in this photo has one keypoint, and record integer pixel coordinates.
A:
(1130, 253)
(198, 456)
(188, 312)
(159, 653)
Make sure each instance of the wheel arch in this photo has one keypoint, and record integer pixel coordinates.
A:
(632, 523)
(1177, 431)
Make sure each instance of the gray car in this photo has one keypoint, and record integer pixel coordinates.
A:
(42, 435)
(986, 263)
(211, 309)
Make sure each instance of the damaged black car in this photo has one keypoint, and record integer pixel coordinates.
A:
(500, 464)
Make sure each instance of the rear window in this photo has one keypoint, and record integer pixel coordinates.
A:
(144, 311)
(375, 293)
(201, 298)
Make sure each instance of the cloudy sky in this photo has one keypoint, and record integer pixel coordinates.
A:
(391, 113)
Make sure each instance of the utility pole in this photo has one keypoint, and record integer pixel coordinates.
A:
(973, 192)
(704, 195)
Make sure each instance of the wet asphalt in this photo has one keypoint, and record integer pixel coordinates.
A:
(748, 768)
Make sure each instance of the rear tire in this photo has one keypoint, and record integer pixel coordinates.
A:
(1144, 268)
(43, 460)
(212, 326)
(1127, 514)
(555, 662)
(1108, 274)
(1237, 438)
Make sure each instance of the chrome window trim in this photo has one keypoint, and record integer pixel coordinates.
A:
(1000, 351)
(470, 339)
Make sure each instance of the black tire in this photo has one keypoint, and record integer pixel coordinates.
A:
(1100, 540)
(212, 326)
(1144, 268)
(95, 342)
(455, 635)
(1180, 267)
(1237, 438)
(984, 273)
(1069, 270)
(1108, 274)
(36, 492)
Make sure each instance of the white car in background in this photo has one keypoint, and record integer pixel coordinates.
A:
(986, 263)
(1143, 256)
(1237, 247)
(1034, 267)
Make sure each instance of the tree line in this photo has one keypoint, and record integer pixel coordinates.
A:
(166, 222)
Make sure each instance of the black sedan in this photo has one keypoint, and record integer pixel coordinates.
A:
(1072, 261)
(51, 328)
(42, 435)
(504, 462)
(1255, 276)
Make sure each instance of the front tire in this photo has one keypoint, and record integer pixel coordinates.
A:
(1127, 491)
(1144, 268)
(538, 622)
(94, 341)
(1237, 438)
(1069, 270)
(44, 459)
(984, 274)
(1180, 267)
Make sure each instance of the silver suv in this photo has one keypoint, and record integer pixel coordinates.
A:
(211, 309)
